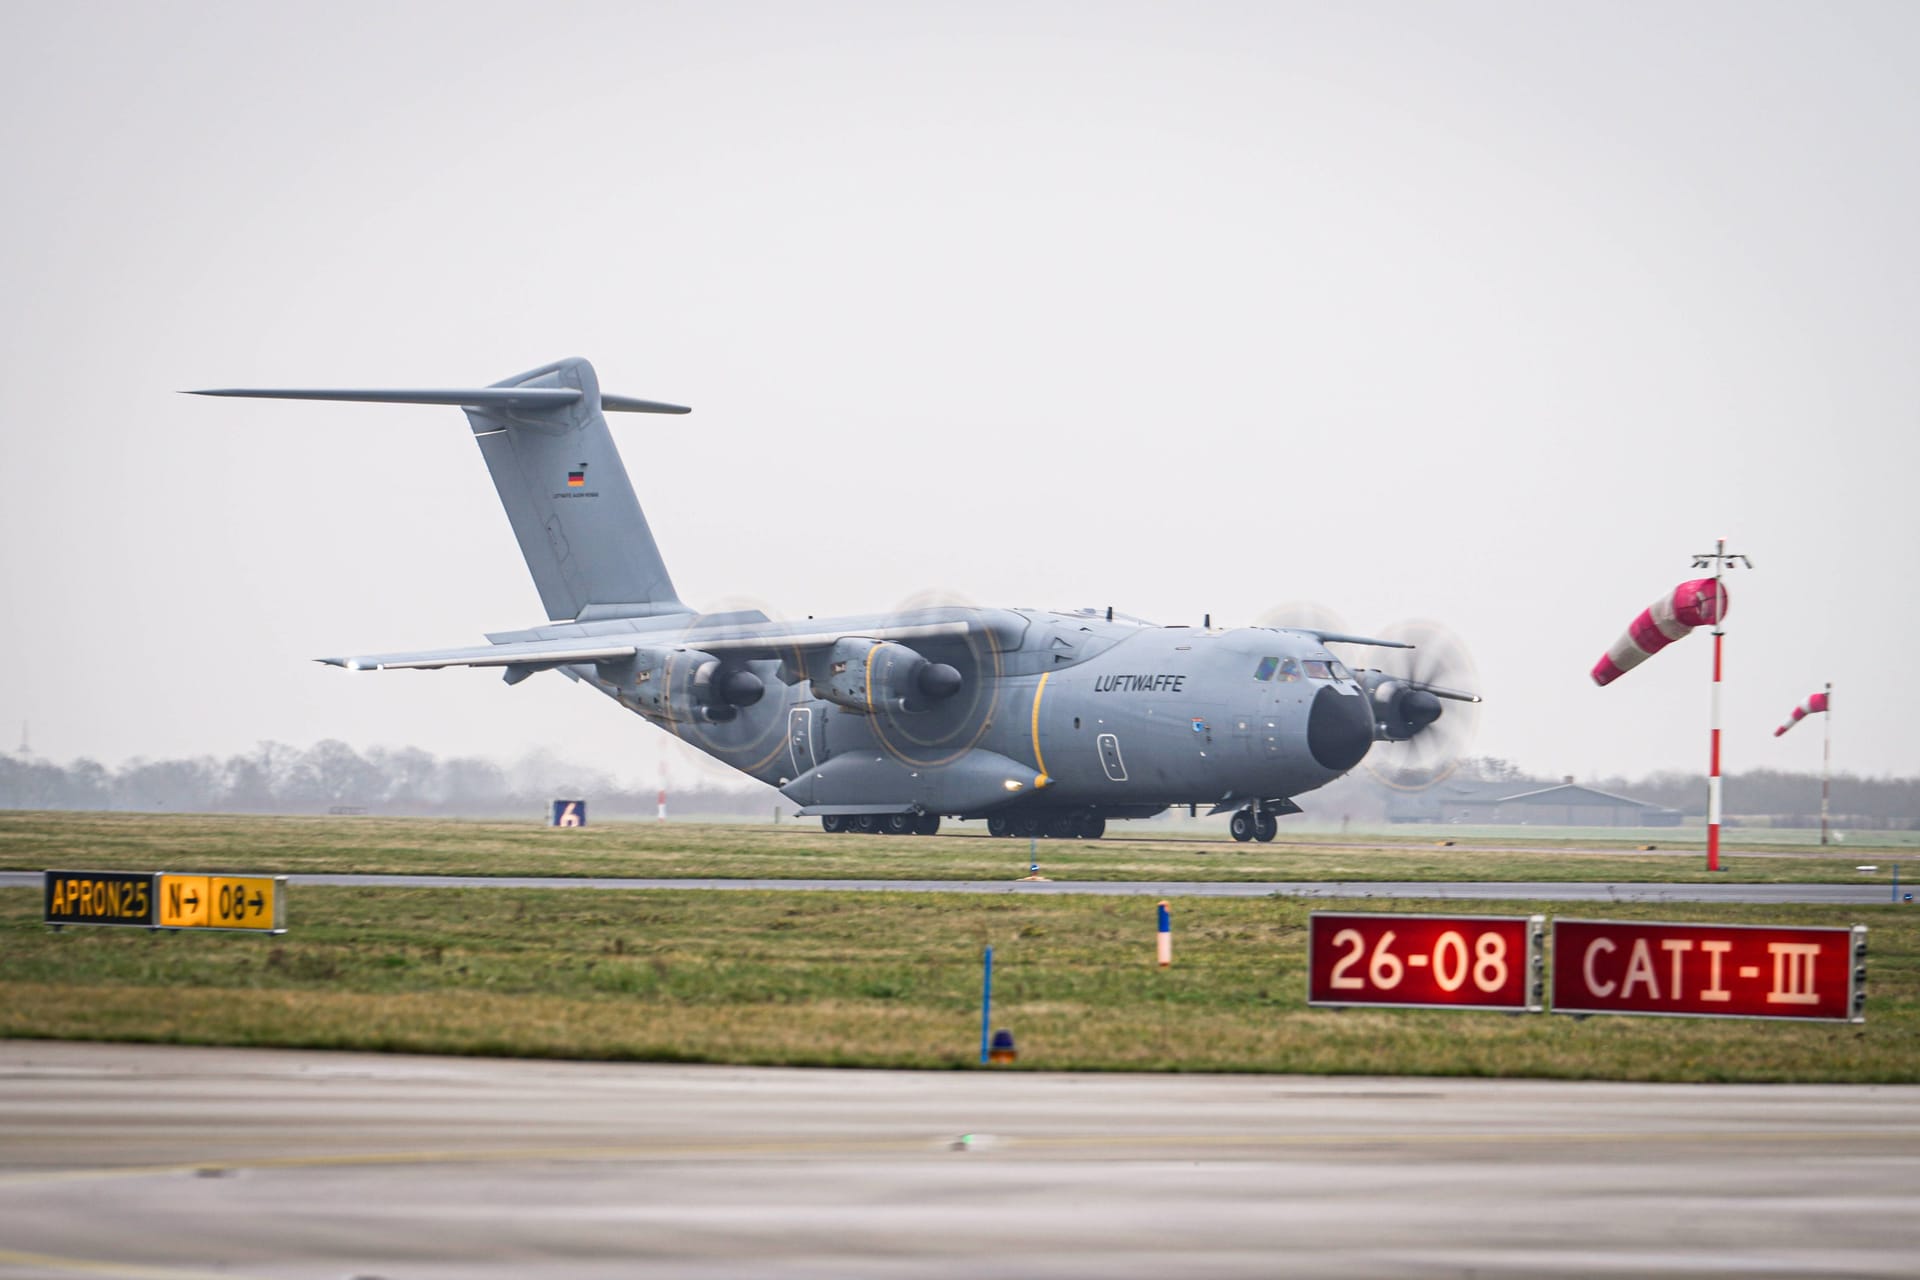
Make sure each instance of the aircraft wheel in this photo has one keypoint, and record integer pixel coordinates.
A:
(901, 824)
(1241, 826)
(1027, 828)
(1065, 827)
(928, 825)
(1091, 828)
(1265, 828)
(832, 823)
(866, 824)
(998, 827)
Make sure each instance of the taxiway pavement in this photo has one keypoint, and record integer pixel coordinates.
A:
(175, 1162)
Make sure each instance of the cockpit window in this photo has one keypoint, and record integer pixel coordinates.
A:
(1340, 672)
(1289, 670)
(1266, 668)
(1316, 670)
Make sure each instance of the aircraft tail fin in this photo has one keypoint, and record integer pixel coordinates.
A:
(545, 440)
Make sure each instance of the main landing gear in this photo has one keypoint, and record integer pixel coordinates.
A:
(1250, 825)
(882, 824)
(1066, 826)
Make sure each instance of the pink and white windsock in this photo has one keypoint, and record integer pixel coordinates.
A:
(1691, 604)
(1818, 702)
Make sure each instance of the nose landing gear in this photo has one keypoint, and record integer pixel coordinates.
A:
(1254, 824)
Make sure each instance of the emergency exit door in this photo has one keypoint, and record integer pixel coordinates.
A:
(1110, 758)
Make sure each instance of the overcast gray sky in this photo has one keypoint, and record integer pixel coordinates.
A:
(1487, 313)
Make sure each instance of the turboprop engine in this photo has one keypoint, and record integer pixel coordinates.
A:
(1401, 708)
(871, 675)
(686, 684)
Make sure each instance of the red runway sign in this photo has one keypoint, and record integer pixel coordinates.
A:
(1709, 970)
(1425, 962)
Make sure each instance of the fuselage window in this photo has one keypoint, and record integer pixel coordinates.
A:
(1316, 670)
(1266, 668)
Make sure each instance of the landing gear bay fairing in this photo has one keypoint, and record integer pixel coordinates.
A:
(1042, 723)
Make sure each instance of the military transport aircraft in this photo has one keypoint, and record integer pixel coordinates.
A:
(1043, 723)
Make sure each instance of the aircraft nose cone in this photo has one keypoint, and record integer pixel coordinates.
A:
(1339, 730)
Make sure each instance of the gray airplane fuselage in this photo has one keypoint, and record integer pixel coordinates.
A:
(1062, 712)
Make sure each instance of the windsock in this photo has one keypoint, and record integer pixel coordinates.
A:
(1818, 702)
(1692, 604)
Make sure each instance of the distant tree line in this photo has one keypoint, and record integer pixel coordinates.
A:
(1772, 796)
(332, 777)
(1785, 799)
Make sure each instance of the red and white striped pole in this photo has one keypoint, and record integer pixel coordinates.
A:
(1826, 765)
(1818, 704)
(1689, 605)
(1722, 561)
(1713, 763)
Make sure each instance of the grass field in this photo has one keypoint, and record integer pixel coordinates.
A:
(873, 980)
(182, 842)
(850, 979)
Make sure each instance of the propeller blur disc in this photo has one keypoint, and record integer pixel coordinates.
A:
(756, 733)
(1439, 658)
(955, 723)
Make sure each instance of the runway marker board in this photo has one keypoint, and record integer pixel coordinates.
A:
(1709, 970)
(100, 898)
(166, 900)
(1425, 962)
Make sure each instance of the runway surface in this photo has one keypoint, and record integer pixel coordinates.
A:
(182, 1162)
(1512, 890)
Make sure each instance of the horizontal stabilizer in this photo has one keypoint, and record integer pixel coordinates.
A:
(627, 404)
(534, 398)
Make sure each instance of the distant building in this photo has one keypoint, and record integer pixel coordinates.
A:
(1525, 804)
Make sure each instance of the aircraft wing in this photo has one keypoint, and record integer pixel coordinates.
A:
(768, 643)
(1335, 637)
(523, 653)
(745, 645)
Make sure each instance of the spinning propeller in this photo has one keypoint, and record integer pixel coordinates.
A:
(954, 691)
(727, 687)
(1424, 709)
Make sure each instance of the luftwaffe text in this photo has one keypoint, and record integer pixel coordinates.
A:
(1139, 684)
